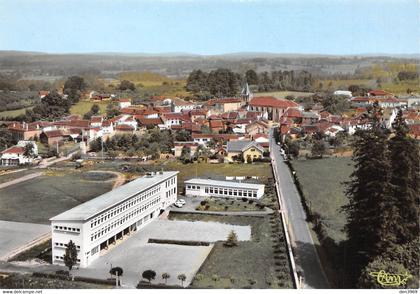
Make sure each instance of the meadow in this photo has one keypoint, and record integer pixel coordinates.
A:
(322, 181)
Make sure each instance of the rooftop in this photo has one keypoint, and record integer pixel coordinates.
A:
(105, 201)
(231, 184)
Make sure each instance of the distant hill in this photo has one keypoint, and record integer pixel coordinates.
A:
(179, 65)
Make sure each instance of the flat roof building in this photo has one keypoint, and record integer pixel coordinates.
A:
(97, 223)
(215, 188)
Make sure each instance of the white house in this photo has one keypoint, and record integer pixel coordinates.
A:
(348, 94)
(178, 105)
(96, 224)
(15, 155)
(127, 120)
(124, 103)
(231, 189)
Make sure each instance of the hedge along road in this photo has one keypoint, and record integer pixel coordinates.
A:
(305, 250)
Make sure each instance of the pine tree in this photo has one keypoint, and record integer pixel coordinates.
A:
(405, 179)
(371, 211)
(70, 255)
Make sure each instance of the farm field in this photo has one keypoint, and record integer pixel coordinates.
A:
(235, 267)
(13, 113)
(322, 184)
(84, 106)
(283, 94)
(38, 199)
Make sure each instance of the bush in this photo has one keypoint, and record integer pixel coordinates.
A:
(203, 202)
(250, 201)
(232, 240)
(244, 199)
(179, 242)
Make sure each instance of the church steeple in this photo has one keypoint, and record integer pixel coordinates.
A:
(246, 93)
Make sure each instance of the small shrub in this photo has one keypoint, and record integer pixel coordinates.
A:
(203, 202)
(250, 201)
(226, 207)
(207, 207)
(215, 277)
(244, 199)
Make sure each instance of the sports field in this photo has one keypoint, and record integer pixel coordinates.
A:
(38, 199)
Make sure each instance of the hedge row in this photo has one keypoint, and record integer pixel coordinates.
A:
(179, 242)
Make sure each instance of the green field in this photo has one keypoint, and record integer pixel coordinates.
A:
(283, 94)
(218, 171)
(322, 184)
(84, 106)
(41, 198)
(13, 113)
(259, 263)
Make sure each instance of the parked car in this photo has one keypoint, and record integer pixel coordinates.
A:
(178, 204)
(182, 201)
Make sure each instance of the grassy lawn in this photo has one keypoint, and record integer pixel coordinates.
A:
(283, 94)
(218, 171)
(322, 183)
(41, 198)
(259, 263)
(28, 281)
(84, 106)
(41, 251)
(13, 113)
(12, 176)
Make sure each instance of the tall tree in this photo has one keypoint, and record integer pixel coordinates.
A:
(73, 87)
(371, 221)
(52, 106)
(405, 179)
(251, 77)
(70, 255)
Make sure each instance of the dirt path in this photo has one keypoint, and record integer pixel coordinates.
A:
(21, 179)
(118, 181)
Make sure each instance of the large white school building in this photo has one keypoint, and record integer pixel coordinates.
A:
(97, 223)
(231, 189)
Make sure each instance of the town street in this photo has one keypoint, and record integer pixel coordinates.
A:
(307, 260)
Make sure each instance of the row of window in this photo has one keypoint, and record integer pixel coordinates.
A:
(62, 258)
(94, 250)
(69, 229)
(123, 219)
(170, 182)
(170, 192)
(64, 245)
(231, 192)
(193, 187)
(124, 206)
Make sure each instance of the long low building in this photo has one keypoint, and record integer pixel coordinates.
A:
(97, 223)
(215, 188)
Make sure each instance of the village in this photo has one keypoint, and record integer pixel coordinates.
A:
(218, 130)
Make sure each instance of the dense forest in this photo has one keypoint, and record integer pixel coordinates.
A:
(224, 82)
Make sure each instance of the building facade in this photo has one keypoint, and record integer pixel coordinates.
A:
(225, 189)
(100, 222)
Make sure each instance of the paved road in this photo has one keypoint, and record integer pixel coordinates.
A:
(307, 259)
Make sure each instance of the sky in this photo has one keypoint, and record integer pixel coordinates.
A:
(208, 27)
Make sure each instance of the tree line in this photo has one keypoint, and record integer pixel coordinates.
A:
(383, 209)
(224, 82)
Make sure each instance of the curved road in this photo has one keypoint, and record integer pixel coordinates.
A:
(307, 259)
